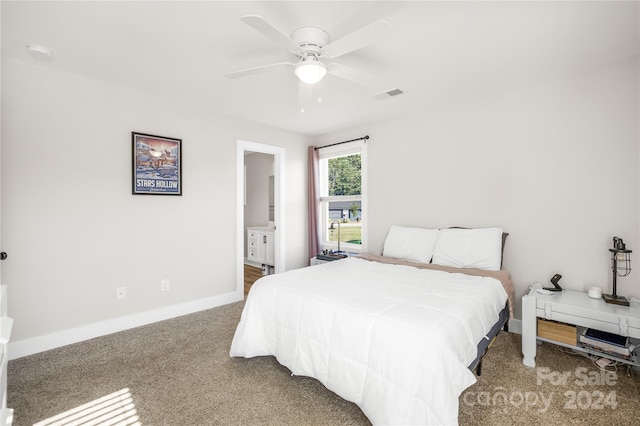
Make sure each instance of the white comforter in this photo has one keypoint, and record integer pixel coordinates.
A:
(395, 340)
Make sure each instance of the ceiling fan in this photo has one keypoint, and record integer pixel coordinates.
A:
(312, 47)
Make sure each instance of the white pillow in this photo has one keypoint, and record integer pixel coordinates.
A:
(469, 248)
(410, 243)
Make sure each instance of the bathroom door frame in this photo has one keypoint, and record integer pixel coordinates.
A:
(279, 203)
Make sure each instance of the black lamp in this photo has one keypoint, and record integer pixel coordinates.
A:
(621, 267)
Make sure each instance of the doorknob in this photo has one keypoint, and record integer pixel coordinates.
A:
(3, 255)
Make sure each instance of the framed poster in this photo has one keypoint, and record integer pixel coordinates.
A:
(157, 165)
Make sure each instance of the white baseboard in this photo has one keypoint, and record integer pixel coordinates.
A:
(21, 348)
(252, 263)
(515, 326)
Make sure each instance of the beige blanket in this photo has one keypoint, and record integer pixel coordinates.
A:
(503, 275)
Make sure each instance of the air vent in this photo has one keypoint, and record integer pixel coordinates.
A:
(389, 94)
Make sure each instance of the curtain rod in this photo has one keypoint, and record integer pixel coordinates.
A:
(364, 138)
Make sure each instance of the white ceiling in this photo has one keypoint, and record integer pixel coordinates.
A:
(437, 50)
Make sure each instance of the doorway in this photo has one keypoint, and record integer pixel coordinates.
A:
(274, 209)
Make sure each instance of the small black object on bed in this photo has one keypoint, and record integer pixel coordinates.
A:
(329, 256)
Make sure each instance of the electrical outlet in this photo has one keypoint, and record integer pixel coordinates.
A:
(165, 285)
(121, 293)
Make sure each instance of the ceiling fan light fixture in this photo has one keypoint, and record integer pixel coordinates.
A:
(310, 70)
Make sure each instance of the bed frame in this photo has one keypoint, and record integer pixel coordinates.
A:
(483, 346)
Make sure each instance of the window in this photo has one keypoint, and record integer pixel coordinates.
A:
(343, 197)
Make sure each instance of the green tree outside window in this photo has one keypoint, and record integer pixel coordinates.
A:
(344, 175)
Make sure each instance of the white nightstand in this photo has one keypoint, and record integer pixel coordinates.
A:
(575, 308)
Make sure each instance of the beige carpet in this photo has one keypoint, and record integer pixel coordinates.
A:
(178, 372)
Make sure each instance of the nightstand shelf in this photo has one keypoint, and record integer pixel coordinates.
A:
(577, 309)
(578, 348)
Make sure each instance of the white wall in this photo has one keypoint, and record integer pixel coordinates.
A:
(72, 228)
(259, 168)
(555, 164)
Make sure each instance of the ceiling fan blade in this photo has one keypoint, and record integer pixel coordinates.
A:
(358, 39)
(255, 70)
(259, 24)
(364, 78)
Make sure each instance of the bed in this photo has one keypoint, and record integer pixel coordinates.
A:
(395, 335)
